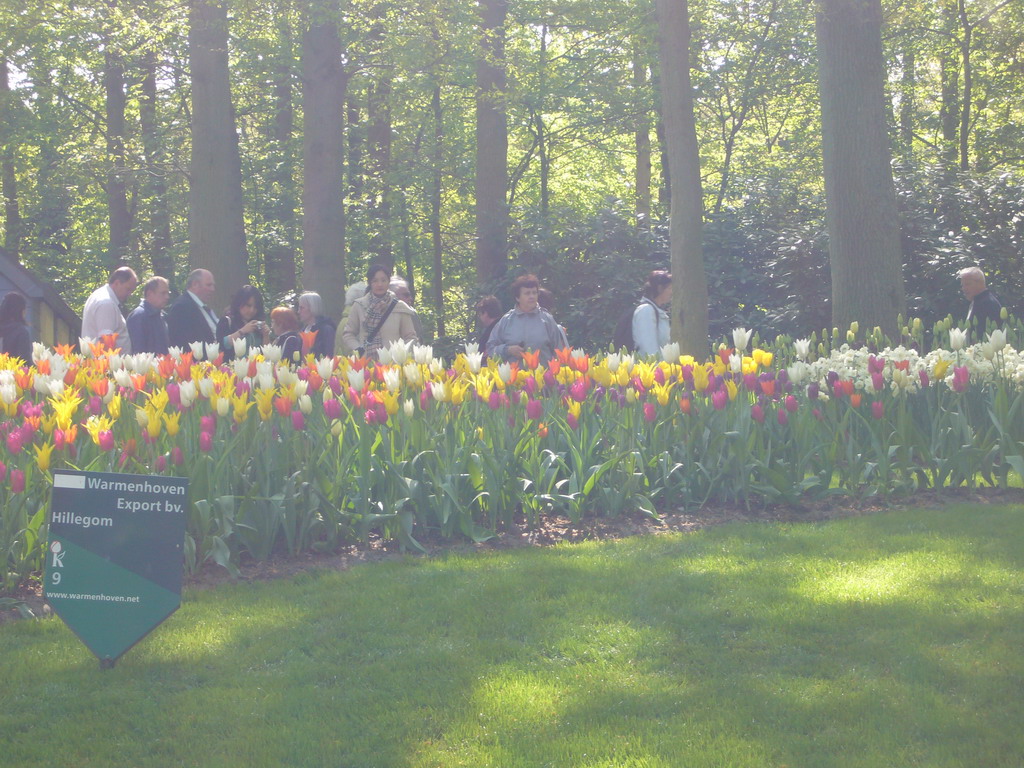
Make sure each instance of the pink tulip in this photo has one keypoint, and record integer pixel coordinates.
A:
(3, 471)
(961, 378)
(425, 398)
(381, 413)
(298, 421)
(757, 413)
(208, 423)
(877, 409)
(17, 480)
(783, 417)
(791, 404)
(659, 375)
(650, 412)
(817, 414)
(332, 409)
(106, 438)
(578, 390)
(335, 385)
(549, 378)
(177, 456)
(534, 409)
(161, 463)
(205, 442)
(494, 400)
(923, 376)
(530, 386)
(573, 421)
(719, 399)
(174, 393)
(14, 442)
(877, 382)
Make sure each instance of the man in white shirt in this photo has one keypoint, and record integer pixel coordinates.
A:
(103, 312)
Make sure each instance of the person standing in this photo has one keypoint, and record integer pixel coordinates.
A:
(651, 325)
(313, 320)
(190, 317)
(244, 321)
(15, 336)
(286, 333)
(379, 318)
(104, 311)
(527, 326)
(488, 313)
(400, 287)
(147, 325)
(984, 310)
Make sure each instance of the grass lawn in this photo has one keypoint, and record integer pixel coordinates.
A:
(889, 640)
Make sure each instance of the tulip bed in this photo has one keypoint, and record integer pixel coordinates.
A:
(288, 458)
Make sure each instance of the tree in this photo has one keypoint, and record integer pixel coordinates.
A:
(690, 291)
(863, 229)
(323, 102)
(216, 224)
(491, 144)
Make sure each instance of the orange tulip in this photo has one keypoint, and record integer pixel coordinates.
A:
(308, 339)
(43, 366)
(531, 359)
(542, 430)
(99, 386)
(166, 366)
(23, 378)
(563, 355)
(855, 400)
(64, 350)
(109, 340)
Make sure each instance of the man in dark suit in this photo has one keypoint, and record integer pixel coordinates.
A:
(190, 317)
(983, 315)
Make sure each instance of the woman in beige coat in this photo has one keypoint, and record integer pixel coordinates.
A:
(378, 318)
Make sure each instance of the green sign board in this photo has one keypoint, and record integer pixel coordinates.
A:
(116, 556)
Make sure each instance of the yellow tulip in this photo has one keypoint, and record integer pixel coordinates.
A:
(173, 422)
(114, 407)
(43, 456)
(731, 389)
(700, 378)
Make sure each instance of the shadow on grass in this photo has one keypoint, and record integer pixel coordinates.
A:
(890, 640)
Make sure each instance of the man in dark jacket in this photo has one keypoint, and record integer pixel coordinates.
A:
(147, 325)
(983, 313)
(190, 317)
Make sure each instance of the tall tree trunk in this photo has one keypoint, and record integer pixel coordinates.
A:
(690, 289)
(965, 102)
(864, 233)
(491, 145)
(435, 209)
(541, 128)
(354, 164)
(279, 258)
(323, 100)
(155, 184)
(216, 223)
(8, 177)
(117, 190)
(908, 94)
(949, 108)
(642, 172)
(378, 169)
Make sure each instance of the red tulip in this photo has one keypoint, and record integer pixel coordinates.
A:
(17, 480)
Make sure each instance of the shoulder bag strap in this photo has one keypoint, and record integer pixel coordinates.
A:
(384, 317)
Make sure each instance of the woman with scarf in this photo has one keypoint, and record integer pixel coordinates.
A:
(379, 318)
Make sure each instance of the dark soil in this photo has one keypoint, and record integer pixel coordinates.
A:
(550, 531)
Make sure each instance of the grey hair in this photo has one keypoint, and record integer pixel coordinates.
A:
(313, 302)
(973, 273)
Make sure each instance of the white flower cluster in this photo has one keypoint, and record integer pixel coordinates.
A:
(900, 369)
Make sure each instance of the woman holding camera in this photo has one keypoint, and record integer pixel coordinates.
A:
(243, 321)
